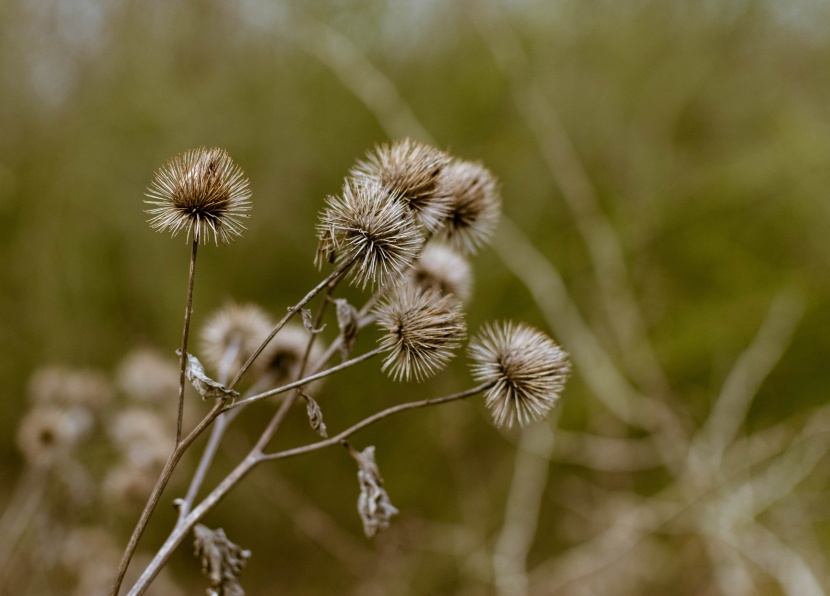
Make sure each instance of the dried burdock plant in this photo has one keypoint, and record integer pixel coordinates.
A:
(527, 371)
(202, 192)
(475, 205)
(46, 433)
(375, 233)
(146, 376)
(444, 270)
(422, 330)
(372, 227)
(231, 335)
(412, 171)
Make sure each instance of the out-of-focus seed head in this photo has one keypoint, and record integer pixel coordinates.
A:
(444, 270)
(412, 171)
(146, 376)
(422, 330)
(46, 433)
(231, 335)
(374, 228)
(127, 485)
(68, 387)
(527, 370)
(475, 205)
(282, 358)
(141, 436)
(201, 191)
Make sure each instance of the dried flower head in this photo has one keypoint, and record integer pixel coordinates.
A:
(46, 433)
(444, 270)
(232, 334)
(201, 191)
(374, 228)
(127, 486)
(475, 205)
(146, 376)
(412, 171)
(68, 387)
(528, 371)
(422, 330)
(282, 358)
(142, 437)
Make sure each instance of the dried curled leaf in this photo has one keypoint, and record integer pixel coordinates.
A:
(348, 321)
(222, 560)
(207, 387)
(373, 503)
(315, 415)
(308, 323)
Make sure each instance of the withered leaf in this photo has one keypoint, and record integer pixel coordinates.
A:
(373, 504)
(308, 323)
(222, 560)
(315, 415)
(207, 387)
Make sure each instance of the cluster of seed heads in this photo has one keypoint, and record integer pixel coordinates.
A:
(404, 222)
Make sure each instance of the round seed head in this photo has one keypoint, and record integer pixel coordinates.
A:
(444, 270)
(146, 376)
(528, 371)
(141, 436)
(46, 434)
(201, 191)
(422, 330)
(232, 334)
(475, 205)
(284, 354)
(128, 485)
(374, 228)
(69, 387)
(412, 171)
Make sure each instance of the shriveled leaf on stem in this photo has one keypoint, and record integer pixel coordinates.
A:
(315, 415)
(373, 504)
(222, 560)
(206, 386)
(348, 321)
(308, 322)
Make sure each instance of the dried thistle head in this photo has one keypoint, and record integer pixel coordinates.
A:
(444, 270)
(127, 485)
(528, 371)
(46, 433)
(412, 171)
(201, 191)
(475, 205)
(372, 227)
(146, 376)
(422, 330)
(232, 334)
(66, 387)
(282, 358)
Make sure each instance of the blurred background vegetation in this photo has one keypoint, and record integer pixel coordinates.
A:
(702, 132)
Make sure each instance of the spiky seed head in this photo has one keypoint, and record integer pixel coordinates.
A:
(201, 191)
(282, 358)
(528, 371)
(231, 335)
(374, 228)
(475, 205)
(47, 433)
(422, 330)
(411, 170)
(444, 270)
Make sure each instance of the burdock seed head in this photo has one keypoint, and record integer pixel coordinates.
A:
(444, 270)
(422, 330)
(412, 171)
(232, 334)
(475, 205)
(528, 371)
(201, 191)
(371, 227)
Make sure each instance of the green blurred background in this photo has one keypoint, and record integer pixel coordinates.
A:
(703, 127)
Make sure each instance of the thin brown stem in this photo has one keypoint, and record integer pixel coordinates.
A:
(340, 270)
(155, 496)
(304, 381)
(185, 333)
(371, 420)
